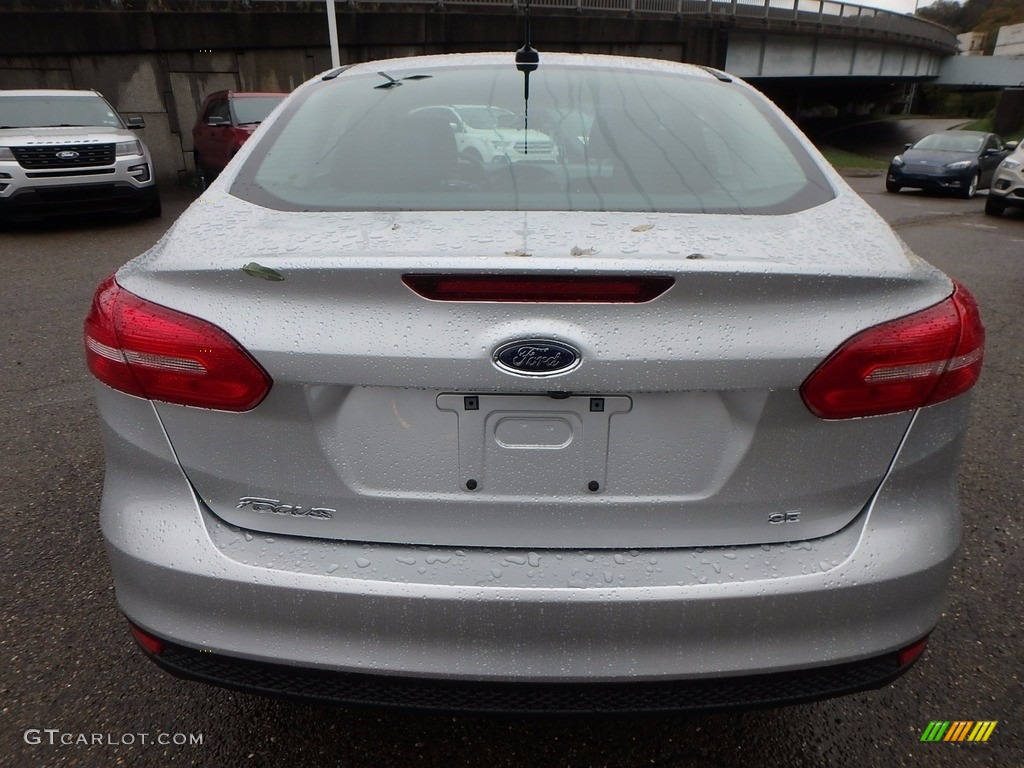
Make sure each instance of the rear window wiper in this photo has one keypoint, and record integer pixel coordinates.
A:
(392, 83)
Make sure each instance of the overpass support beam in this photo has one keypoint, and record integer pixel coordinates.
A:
(1009, 112)
(779, 55)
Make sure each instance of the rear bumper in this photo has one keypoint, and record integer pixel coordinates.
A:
(688, 618)
(363, 690)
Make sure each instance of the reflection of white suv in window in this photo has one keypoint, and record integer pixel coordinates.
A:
(490, 134)
(65, 152)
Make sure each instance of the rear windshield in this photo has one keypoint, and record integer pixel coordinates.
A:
(51, 111)
(585, 139)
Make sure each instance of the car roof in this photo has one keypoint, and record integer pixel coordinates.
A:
(49, 92)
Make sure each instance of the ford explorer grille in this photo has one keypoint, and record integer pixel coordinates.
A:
(60, 155)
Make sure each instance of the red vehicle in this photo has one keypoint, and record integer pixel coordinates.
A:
(226, 120)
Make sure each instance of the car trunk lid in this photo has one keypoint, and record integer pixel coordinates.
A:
(680, 425)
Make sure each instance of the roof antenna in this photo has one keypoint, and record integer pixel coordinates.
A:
(527, 60)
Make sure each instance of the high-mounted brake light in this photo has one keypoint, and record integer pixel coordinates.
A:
(151, 351)
(563, 289)
(908, 363)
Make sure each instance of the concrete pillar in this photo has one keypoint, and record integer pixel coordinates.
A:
(1009, 112)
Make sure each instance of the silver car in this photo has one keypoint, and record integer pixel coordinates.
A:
(669, 424)
(1008, 183)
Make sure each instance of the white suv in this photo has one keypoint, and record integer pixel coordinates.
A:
(1007, 188)
(489, 135)
(64, 152)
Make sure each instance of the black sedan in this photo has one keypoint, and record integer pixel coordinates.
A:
(961, 162)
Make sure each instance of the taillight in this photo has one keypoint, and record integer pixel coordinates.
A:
(151, 351)
(562, 289)
(908, 363)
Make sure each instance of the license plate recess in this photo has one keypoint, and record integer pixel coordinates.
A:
(534, 445)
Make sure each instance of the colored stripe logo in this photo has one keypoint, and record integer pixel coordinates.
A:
(959, 730)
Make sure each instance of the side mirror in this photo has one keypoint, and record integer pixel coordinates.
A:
(1011, 145)
(135, 123)
(907, 146)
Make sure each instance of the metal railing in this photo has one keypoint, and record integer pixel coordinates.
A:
(823, 14)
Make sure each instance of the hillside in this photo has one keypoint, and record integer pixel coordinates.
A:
(975, 16)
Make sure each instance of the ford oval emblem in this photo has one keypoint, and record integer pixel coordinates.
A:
(536, 357)
(67, 154)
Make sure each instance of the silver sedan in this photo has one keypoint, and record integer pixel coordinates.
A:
(669, 423)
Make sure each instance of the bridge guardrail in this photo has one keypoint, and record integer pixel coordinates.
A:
(825, 14)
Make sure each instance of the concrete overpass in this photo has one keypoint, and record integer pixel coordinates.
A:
(781, 38)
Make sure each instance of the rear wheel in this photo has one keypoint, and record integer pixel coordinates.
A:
(994, 206)
(204, 176)
(972, 188)
(892, 186)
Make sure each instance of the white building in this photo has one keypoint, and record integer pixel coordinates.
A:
(1010, 41)
(971, 43)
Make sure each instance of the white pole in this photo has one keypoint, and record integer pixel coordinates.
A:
(332, 28)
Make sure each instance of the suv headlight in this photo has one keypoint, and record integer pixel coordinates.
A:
(1007, 164)
(898, 160)
(959, 166)
(129, 148)
(6, 153)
